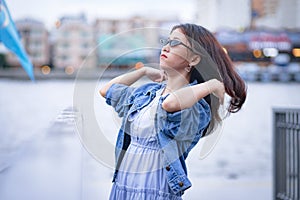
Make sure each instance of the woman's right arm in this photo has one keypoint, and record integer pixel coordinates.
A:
(132, 77)
(177, 100)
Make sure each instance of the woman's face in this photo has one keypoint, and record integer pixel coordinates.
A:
(175, 57)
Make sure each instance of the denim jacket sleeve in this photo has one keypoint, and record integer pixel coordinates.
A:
(117, 96)
(184, 124)
(178, 133)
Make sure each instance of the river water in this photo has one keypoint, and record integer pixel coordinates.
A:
(42, 156)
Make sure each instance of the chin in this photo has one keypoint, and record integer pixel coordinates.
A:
(163, 66)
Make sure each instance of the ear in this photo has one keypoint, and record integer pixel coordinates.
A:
(195, 60)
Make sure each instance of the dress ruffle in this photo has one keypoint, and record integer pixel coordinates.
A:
(119, 192)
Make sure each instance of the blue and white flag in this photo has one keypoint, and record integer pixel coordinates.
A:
(10, 38)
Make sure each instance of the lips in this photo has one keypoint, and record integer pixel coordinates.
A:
(163, 55)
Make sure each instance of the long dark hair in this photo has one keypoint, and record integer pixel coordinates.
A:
(215, 63)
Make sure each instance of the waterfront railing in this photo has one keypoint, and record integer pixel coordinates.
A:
(286, 128)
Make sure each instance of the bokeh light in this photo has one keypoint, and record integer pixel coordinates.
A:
(45, 69)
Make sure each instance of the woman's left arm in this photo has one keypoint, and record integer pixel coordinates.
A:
(188, 96)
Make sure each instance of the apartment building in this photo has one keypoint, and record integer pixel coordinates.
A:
(34, 37)
(240, 15)
(128, 41)
(76, 43)
(73, 43)
(276, 13)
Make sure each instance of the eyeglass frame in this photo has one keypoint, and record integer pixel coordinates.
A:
(164, 42)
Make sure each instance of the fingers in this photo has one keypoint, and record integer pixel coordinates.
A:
(162, 76)
(159, 80)
(221, 100)
(219, 91)
(222, 94)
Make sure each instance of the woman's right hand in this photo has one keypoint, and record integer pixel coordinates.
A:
(155, 74)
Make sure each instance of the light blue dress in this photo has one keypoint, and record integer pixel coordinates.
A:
(141, 175)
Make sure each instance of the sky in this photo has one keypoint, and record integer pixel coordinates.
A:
(48, 11)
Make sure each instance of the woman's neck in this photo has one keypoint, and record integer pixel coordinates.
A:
(175, 83)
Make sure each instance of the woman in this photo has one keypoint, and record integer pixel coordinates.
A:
(162, 122)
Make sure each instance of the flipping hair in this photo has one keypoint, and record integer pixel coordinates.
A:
(214, 63)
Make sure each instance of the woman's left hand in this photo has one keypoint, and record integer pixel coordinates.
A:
(155, 74)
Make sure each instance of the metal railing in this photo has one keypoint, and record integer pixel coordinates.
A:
(286, 144)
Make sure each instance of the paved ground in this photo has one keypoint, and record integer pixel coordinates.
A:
(54, 166)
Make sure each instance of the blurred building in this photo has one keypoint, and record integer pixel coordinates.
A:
(240, 15)
(276, 14)
(124, 42)
(34, 37)
(73, 42)
(264, 31)
(223, 14)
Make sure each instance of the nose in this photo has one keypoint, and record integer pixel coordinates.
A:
(166, 48)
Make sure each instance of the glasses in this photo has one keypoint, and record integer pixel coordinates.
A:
(174, 43)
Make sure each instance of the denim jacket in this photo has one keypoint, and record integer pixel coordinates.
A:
(177, 132)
